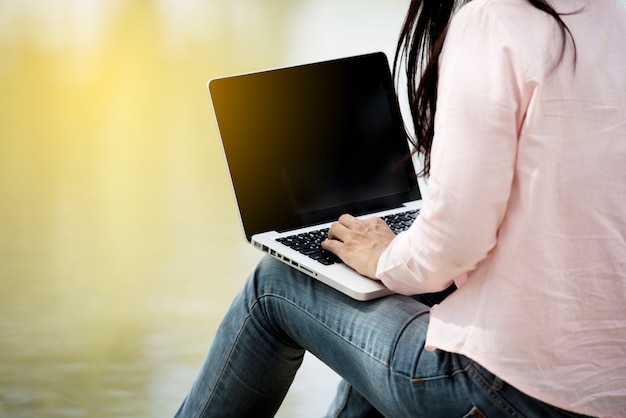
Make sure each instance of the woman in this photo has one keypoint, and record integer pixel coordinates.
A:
(520, 116)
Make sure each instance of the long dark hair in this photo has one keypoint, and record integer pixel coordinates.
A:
(418, 49)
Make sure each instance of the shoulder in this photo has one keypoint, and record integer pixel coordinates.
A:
(501, 9)
(513, 21)
(514, 16)
(515, 27)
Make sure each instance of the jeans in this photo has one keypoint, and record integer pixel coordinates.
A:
(376, 346)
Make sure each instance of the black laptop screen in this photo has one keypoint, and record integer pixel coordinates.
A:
(306, 144)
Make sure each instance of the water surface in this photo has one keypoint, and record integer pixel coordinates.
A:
(120, 248)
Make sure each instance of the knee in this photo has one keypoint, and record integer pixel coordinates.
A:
(269, 268)
(270, 264)
(269, 276)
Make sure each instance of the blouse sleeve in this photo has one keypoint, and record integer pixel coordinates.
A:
(479, 113)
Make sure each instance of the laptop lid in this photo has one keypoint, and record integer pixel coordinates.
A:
(305, 144)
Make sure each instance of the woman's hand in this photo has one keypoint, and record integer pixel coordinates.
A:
(359, 243)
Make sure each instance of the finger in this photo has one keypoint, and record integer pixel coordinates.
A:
(332, 245)
(337, 231)
(347, 220)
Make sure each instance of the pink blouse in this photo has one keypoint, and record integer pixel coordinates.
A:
(528, 202)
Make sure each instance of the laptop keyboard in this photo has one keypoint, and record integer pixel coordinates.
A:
(310, 243)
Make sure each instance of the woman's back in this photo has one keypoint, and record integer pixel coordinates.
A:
(546, 310)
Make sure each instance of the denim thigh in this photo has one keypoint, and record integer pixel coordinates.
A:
(376, 346)
(379, 348)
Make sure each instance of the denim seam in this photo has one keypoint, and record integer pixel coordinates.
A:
(227, 360)
(344, 402)
(395, 347)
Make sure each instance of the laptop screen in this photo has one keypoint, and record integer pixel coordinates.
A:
(305, 144)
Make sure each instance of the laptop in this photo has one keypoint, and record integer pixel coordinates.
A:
(305, 144)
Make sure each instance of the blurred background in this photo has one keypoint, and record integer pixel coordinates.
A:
(120, 245)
